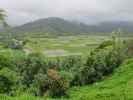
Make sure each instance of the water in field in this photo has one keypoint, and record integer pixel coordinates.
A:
(59, 52)
(64, 45)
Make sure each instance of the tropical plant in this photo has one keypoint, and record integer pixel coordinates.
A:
(2, 18)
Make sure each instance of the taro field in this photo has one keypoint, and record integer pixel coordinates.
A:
(64, 45)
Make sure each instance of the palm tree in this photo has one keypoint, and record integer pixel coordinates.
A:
(2, 18)
(2, 15)
(4, 24)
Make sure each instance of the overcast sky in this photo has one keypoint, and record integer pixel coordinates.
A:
(91, 11)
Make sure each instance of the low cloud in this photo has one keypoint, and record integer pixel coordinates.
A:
(91, 11)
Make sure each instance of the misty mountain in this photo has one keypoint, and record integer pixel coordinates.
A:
(110, 26)
(55, 25)
(52, 25)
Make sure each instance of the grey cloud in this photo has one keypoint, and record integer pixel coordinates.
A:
(93, 11)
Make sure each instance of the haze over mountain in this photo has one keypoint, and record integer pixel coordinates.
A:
(59, 25)
(52, 25)
(90, 11)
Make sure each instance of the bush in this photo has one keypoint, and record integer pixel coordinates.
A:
(15, 44)
(129, 48)
(5, 85)
(97, 66)
(52, 84)
(105, 44)
(57, 85)
(8, 81)
(69, 63)
(5, 61)
(31, 66)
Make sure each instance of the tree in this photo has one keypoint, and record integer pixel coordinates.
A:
(2, 18)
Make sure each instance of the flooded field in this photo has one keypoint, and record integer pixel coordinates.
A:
(63, 46)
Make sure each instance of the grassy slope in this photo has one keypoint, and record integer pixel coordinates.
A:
(117, 87)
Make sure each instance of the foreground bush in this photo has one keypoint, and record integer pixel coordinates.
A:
(57, 85)
(31, 66)
(106, 44)
(5, 60)
(52, 84)
(98, 65)
(8, 81)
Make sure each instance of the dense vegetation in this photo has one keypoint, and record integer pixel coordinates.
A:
(32, 75)
(36, 75)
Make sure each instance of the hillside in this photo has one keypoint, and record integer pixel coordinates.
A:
(52, 25)
(109, 26)
(59, 26)
(119, 86)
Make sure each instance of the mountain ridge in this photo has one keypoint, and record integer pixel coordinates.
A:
(52, 25)
(55, 25)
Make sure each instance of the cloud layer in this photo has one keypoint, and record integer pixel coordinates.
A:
(91, 11)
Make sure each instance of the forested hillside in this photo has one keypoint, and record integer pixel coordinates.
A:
(59, 26)
(53, 26)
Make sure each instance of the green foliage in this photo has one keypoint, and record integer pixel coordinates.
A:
(8, 81)
(105, 44)
(15, 44)
(66, 75)
(129, 49)
(58, 85)
(37, 75)
(98, 65)
(5, 60)
(2, 17)
(116, 87)
(71, 63)
(5, 85)
(10, 74)
(53, 84)
(31, 66)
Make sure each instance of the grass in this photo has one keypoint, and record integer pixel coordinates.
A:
(119, 86)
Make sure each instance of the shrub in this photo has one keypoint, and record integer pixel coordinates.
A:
(8, 81)
(129, 48)
(5, 60)
(15, 44)
(70, 62)
(5, 85)
(97, 66)
(31, 66)
(105, 44)
(52, 84)
(57, 85)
